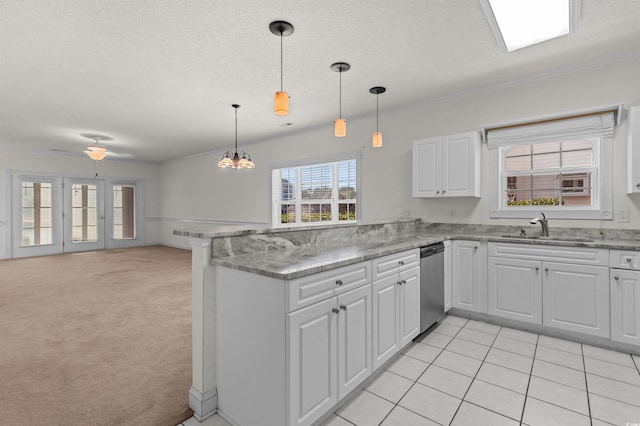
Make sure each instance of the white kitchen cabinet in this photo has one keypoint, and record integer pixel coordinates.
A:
(468, 276)
(396, 314)
(625, 306)
(515, 289)
(447, 276)
(313, 361)
(447, 166)
(576, 298)
(633, 151)
(329, 353)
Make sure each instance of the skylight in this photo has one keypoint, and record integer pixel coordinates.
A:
(522, 23)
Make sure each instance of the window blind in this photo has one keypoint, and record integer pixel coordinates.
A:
(589, 126)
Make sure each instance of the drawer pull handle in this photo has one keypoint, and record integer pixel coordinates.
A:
(338, 282)
(628, 259)
(615, 277)
(343, 307)
(335, 310)
(401, 263)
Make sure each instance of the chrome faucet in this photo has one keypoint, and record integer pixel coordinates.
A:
(542, 221)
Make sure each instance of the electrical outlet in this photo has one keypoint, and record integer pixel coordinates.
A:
(407, 213)
(622, 216)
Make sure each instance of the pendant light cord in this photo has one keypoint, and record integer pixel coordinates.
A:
(377, 113)
(281, 61)
(340, 93)
(236, 129)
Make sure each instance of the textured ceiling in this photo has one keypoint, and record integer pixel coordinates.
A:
(159, 76)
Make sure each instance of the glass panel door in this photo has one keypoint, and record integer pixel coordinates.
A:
(36, 227)
(84, 214)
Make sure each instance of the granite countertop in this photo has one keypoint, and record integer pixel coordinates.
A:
(297, 262)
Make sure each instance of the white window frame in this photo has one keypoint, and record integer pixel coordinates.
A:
(561, 128)
(276, 191)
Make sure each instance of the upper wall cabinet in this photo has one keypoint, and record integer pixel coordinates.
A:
(633, 154)
(447, 166)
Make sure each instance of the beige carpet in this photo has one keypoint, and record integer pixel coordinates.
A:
(101, 338)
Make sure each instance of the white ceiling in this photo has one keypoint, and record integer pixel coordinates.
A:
(159, 76)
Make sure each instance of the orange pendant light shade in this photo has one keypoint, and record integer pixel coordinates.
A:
(377, 139)
(281, 103)
(340, 126)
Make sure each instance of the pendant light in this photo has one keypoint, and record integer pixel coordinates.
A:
(281, 102)
(233, 159)
(340, 125)
(377, 135)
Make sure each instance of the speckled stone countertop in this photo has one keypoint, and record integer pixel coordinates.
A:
(290, 262)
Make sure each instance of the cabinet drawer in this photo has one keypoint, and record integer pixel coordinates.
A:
(579, 255)
(625, 259)
(314, 288)
(395, 263)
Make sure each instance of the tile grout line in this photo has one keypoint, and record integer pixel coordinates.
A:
(526, 393)
(416, 381)
(474, 378)
(586, 384)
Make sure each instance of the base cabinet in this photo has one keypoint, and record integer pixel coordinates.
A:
(468, 276)
(576, 298)
(625, 306)
(396, 314)
(329, 353)
(515, 289)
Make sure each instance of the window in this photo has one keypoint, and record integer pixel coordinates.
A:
(123, 212)
(36, 213)
(562, 166)
(315, 193)
(84, 213)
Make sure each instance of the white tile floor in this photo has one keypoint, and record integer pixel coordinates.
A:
(467, 372)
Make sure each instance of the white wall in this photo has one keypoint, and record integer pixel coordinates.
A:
(81, 166)
(194, 188)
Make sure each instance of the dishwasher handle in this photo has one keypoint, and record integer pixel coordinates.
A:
(431, 250)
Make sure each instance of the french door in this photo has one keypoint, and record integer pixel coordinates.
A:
(83, 217)
(54, 214)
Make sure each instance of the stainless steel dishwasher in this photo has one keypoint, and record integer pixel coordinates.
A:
(431, 285)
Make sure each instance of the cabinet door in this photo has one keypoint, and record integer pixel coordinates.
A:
(625, 306)
(515, 289)
(409, 309)
(447, 276)
(460, 163)
(576, 298)
(385, 320)
(468, 276)
(633, 150)
(355, 334)
(312, 354)
(427, 154)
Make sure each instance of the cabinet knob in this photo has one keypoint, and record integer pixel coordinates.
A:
(628, 259)
(537, 268)
(401, 263)
(615, 277)
(475, 248)
(343, 307)
(638, 185)
(399, 282)
(546, 269)
(335, 310)
(338, 282)
(444, 190)
(404, 281)
(437, 192)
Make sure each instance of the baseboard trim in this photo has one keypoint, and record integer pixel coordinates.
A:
(204, 405)
(178, 246)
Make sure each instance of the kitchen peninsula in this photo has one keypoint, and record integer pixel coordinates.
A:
(249, 285)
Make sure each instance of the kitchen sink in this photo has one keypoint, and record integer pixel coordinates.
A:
(540, 237)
